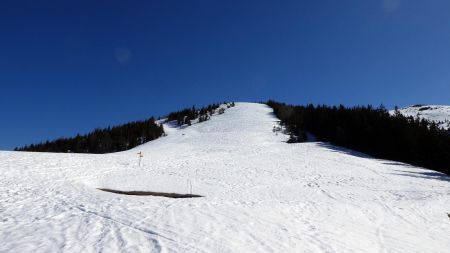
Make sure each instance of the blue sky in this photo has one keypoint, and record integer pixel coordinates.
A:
(67, 67)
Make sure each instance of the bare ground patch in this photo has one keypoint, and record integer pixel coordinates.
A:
(147, 193)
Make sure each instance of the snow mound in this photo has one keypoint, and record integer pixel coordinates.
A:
(261, 195)
(435, 113)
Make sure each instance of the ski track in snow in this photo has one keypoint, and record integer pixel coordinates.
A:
(261, 195)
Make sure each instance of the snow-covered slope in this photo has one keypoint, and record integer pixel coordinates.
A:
(437, 113)
(261, 195)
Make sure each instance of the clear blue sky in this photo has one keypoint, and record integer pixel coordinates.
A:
(70, 66)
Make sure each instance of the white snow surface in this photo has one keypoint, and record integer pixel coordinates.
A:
(260, 195)
(437, 113)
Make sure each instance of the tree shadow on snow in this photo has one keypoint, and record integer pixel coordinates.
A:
(399, 163)
(425, 174)
(343, 150)
(351, 152)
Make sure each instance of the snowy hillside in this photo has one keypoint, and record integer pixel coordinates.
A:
(437, 113)
(260, 195)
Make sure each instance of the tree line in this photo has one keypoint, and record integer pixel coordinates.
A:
(103, 140)
(187, 115)
(370, 130)
(122, 137)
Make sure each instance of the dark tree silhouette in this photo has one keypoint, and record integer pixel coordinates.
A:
(104, 140)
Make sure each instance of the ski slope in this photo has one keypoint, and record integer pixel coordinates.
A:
(437, 113)
(260, 195)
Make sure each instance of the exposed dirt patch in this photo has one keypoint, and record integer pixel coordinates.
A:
(145, 193)
(424, 108)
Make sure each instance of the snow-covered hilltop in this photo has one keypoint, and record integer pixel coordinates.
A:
(260, 195)
(437, 113)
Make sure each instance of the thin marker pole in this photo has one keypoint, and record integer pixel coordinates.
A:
(140, 157)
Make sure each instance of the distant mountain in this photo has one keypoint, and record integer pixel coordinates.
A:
(436, 113)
